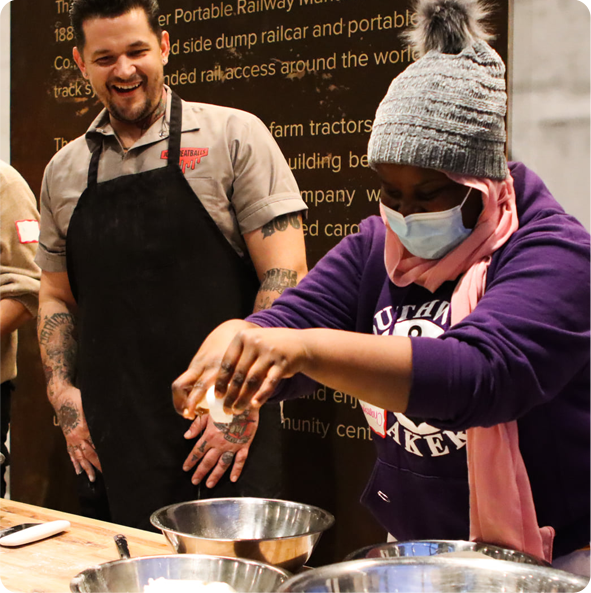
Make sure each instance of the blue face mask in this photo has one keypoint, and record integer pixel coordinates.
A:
(429, 235)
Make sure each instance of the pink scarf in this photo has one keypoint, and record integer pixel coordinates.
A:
(502, 510)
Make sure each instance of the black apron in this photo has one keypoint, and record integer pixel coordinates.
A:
(152, 275)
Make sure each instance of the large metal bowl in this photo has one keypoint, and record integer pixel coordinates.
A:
(131, 575)
(278, 532)
(434, 574)
(433, 547)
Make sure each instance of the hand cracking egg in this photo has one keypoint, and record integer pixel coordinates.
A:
(216, 407)
(213, 406)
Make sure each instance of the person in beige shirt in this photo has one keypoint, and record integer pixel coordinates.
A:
(19, 280)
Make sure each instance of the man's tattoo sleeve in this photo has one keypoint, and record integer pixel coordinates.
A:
(59, 347)
(275, 281)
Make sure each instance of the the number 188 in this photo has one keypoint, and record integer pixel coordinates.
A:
(64, 34)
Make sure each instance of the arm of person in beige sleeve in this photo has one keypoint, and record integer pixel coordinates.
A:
(19, 284)
(19, 274)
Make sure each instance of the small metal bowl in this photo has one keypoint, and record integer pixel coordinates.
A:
(435, 574)
(132, 575)
(433, 547)
(277, 532)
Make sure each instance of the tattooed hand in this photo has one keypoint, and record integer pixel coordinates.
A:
(220, 445)
(68, 408)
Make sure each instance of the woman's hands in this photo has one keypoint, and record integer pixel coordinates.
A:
(190, 388)
(245, 362)
(254, 363)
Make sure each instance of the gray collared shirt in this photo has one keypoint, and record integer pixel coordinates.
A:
(228, 156)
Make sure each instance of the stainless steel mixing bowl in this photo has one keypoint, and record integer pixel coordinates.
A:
(278, 532)
(131, 575)
(434, 574)
(432, 547)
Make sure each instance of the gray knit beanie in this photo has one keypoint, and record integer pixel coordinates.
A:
(446, 110)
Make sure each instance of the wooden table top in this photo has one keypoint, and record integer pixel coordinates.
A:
(48, 566)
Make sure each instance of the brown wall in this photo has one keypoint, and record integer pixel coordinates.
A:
(51, 105)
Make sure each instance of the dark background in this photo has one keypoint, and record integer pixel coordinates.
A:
(329, 472)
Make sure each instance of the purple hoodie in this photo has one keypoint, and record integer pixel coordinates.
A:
(522, 354)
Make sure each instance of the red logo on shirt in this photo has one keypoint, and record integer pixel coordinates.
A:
(189, 156)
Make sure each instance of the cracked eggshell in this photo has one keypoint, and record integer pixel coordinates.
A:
(216, 407)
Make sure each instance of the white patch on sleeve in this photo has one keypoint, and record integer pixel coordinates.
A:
(28, 231)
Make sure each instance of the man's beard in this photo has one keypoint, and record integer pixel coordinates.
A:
(140, 114)
(134, 116)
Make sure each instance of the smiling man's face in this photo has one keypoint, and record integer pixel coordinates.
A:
(124, 61)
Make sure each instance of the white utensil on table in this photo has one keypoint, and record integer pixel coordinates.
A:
(27, 533)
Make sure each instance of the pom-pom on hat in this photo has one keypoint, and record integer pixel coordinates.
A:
(446, 110)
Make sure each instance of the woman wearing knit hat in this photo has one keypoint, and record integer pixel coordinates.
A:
(459, 318)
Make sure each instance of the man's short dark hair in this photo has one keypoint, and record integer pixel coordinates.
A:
(84, 10)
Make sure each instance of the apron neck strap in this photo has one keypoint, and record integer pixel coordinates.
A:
(176, 124)
(174, 140)
(94, 163)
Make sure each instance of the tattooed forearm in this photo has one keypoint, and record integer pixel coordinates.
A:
(59, 347)
(239, 431)
(59, 322)
(68, 417)
(48, 373)
(278, 279)
(275, 281)
(263, 303)
(281, 223)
